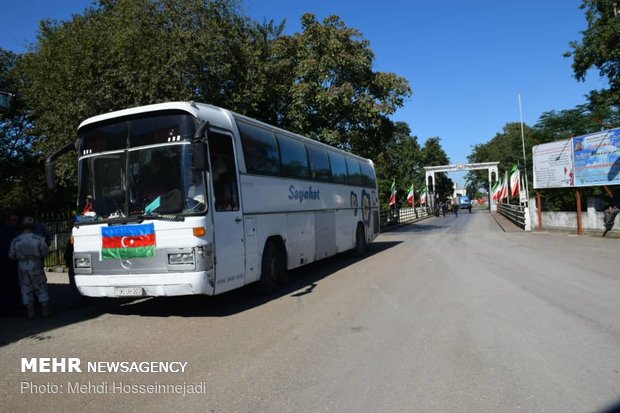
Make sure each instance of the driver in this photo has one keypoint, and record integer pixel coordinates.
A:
(197, 190)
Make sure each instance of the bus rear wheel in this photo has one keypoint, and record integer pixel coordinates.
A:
(273, 268)
(360, 241)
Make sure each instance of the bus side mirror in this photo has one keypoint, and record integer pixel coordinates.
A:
(199, 160)
(50, 163)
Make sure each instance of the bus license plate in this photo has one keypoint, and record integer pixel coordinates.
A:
(128, 291)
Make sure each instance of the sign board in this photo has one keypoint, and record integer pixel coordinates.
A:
(597, 158)
(553, 165)
(588, 160)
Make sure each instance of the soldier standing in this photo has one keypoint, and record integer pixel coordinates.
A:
(29, 249)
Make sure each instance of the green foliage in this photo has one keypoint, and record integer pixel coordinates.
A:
(129, 53)
(506, 148)
(434, 155)
(332, 93)
(600, 47)
(401, 160)
(126, 53)
(21, 171)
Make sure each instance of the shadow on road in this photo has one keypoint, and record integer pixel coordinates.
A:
(70, 308)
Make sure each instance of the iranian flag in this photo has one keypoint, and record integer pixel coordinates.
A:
(393, 193)
(423, 197)
(410, 196)
(504, 193)
(514, 181)
(496, 190)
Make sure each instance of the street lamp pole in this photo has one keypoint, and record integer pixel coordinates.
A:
(527, 191)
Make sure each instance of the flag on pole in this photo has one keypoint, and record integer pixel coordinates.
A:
(410, 196)
(496, 190)
(514, 181)
(423, 197)
(393, 193)
(504, 193)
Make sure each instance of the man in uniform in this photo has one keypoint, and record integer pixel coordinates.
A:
(29, 249)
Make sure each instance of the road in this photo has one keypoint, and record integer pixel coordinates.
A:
(446, 315)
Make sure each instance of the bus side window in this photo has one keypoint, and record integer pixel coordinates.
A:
(368, 176)
(339, 168)
(223, 172)
(319, 164)
(259, 150)
(355, 177)
(293, 157)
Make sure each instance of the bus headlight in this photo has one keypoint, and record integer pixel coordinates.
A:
(181, 258)
(81, 262)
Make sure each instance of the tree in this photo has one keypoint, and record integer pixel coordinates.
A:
(400, 160)
(506, 148)
(600, 48)
(127, 53)
(21, 172)
(434, 155)
(332, 93)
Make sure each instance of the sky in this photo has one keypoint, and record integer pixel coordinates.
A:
(466, 61)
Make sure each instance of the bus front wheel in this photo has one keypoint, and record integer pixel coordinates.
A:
(273, 268)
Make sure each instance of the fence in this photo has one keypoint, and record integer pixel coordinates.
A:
(393, 217)
(516, 214)
(59, 228)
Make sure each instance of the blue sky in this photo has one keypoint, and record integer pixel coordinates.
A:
(466, 61)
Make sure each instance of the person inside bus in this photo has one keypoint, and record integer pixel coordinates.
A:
(225, 193)
(197, 190)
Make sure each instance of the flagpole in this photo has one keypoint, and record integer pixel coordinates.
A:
(527, 192)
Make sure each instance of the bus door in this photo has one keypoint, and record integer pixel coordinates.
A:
(228, 239)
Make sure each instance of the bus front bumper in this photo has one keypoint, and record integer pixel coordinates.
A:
(144, 285)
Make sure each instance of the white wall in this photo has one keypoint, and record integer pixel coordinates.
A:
(590, 219)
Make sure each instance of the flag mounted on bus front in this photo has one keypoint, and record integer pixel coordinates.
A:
(128, 241)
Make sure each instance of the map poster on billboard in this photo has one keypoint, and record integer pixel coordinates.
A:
(553, 165)
(597, 158)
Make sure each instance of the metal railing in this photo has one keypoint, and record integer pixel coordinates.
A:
(392, 217)
(514, 213)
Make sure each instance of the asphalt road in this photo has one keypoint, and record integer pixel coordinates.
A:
(445, 315)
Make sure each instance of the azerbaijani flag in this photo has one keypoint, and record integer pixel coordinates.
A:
(128, 241)
(410, 195)
(393, 193)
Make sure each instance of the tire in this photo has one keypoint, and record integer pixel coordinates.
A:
(273, 268)
(360, 242)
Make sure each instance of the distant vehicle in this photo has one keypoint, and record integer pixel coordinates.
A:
(465, 203)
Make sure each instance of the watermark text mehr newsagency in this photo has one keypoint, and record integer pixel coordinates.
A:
(75, 365)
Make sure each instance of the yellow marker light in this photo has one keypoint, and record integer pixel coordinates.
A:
(200, 231)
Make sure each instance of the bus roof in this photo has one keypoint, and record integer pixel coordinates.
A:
(219, 117)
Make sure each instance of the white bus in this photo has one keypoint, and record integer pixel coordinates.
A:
(186, 198)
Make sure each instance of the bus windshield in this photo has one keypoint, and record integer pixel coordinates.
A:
(139, 167)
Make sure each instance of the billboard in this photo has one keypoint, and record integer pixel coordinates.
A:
(588, 160)
(553, 165)
(597, 158)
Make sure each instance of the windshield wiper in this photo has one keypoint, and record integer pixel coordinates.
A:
(162, 217)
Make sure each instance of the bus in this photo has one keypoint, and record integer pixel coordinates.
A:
(183, 198)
